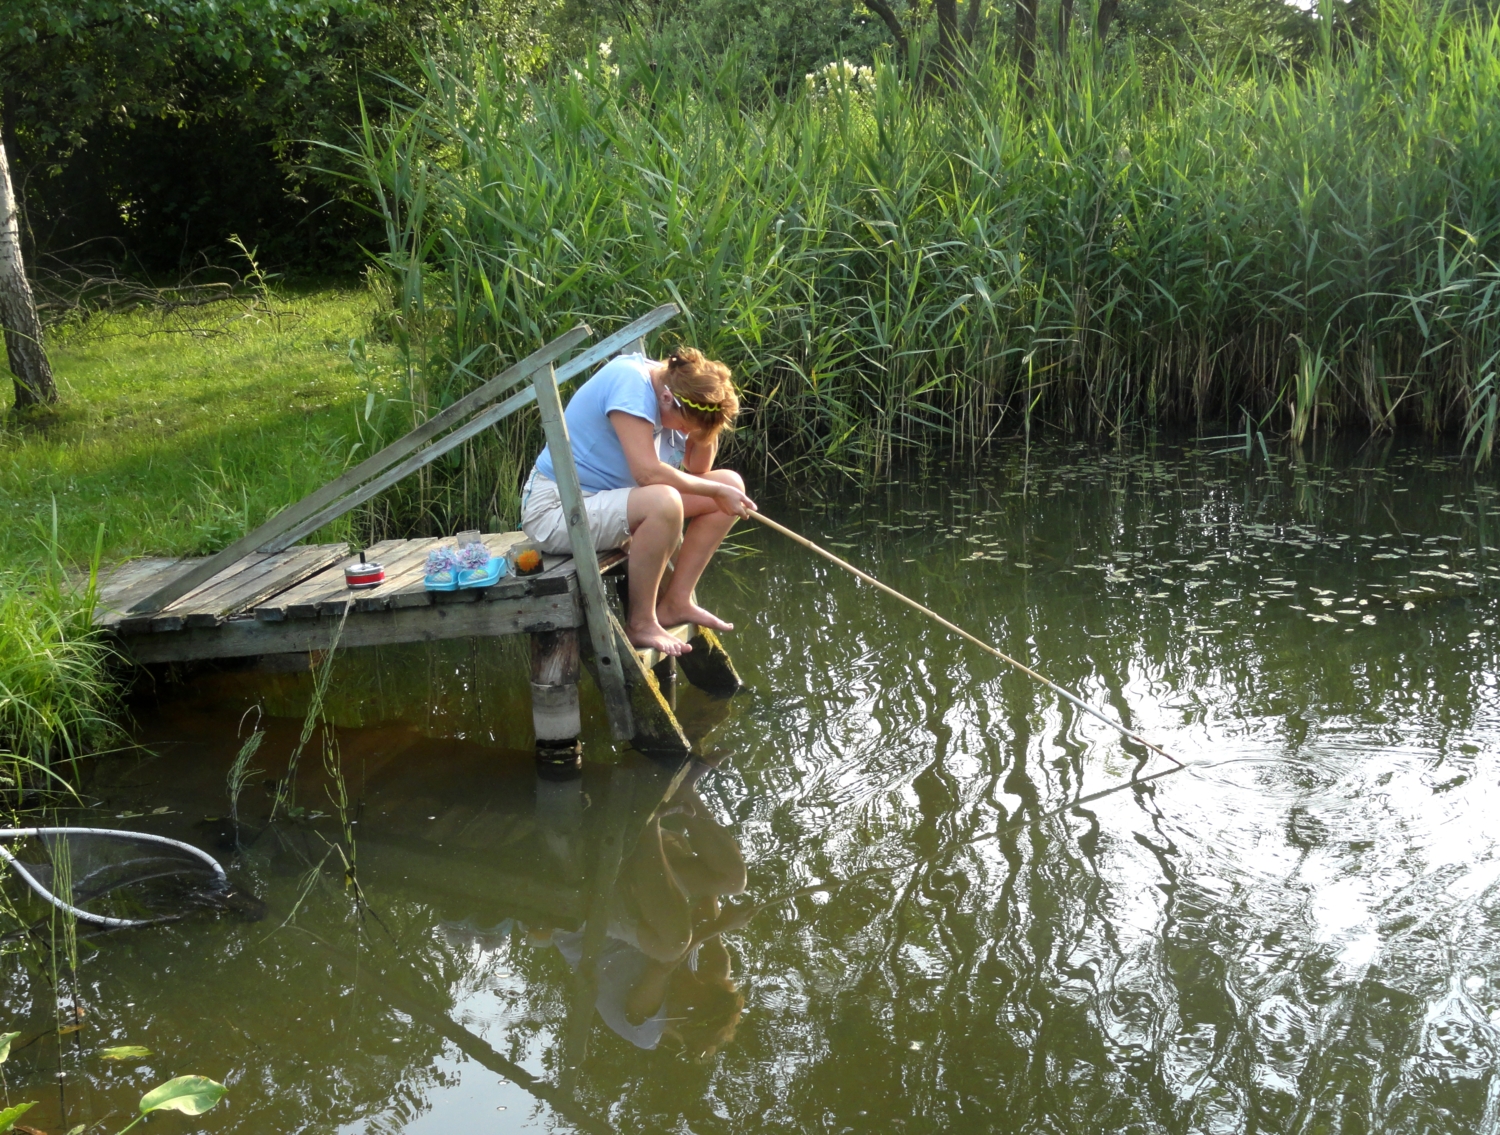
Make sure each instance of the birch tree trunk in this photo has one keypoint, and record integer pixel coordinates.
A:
(23, 330)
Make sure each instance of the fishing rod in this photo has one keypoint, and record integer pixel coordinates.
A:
(958, 630)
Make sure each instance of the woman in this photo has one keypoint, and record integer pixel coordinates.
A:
(663, 971)
(644, 438)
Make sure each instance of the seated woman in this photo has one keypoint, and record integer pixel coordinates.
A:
(644, 437)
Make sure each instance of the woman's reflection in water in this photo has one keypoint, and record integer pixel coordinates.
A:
(664, 973)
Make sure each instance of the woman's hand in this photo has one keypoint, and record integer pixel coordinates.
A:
(732, 501)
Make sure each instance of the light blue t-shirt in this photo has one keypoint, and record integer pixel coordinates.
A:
(623, 383)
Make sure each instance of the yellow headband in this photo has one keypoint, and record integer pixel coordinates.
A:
(701, 407)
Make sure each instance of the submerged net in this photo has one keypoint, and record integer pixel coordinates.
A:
(119, 879)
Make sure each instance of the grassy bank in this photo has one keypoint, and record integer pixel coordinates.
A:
(177, 432)
(885, 266)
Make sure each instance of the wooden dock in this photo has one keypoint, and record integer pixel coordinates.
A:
(265, 596)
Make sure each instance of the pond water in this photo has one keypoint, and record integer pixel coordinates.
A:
(905, 889)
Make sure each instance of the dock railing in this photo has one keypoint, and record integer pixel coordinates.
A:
(476, 411)
(465, 418)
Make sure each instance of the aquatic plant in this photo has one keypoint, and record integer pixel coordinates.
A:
(1131, 242)
(57, 700)
(190, 1095)
(240, 773)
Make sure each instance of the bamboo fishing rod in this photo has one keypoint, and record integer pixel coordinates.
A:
(958, 630)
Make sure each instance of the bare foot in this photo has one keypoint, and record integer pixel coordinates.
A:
(654, 637)
(671, 614)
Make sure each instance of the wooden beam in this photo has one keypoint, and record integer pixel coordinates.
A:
(318, 502)
(708, 666)
(478, 425)
(330, 501)
(246, 637)
(591, 587)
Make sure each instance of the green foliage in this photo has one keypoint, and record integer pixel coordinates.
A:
(183, 428)
(10, 1115)
(124, 1052)
(56, 699)
(900, 268)
(190, 1095)
(773, 44)
(112, 56)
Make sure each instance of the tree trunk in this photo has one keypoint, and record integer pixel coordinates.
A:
(898, 33)
(23, 330)
(1107, 10)
(1064, 25)
(1026, 42)
(971, 21)
(947, 19)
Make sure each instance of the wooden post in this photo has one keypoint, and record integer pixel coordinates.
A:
(666, 681)
(554, 699)
(596, 611)
(707, 665)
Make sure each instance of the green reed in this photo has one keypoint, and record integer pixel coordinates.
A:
(885, 265)
(58, 700)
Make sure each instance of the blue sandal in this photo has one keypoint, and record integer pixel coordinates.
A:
(442, 570)
(487, 576)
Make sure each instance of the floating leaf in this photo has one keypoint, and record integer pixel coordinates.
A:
(191, 1095)
(124, 1052)
(5, 1042)
(9, 1116)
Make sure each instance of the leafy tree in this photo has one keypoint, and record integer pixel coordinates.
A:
(65, 65)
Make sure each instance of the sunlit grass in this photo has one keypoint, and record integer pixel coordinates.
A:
(179, 432)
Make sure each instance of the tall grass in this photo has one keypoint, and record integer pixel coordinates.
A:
(885, 266)
(58, 701)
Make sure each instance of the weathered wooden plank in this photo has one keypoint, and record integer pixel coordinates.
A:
(402, 565)
(708, 665)
(317, 503)
(171, 619)
(245, 637)
(301, 601)
(117, 580)
(129, 581)
(276, 573)
(591, 587)
(481, 422)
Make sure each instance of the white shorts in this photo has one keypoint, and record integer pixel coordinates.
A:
(542, 516)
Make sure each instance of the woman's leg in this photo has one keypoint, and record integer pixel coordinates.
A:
(706, 529)
(654, 514)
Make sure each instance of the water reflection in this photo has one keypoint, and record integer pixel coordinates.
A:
(914, 891)
(659, 971)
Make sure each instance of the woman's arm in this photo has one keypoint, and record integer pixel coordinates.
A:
(638, 440)
(699, 455)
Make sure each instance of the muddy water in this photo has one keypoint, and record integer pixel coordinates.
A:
(905, 890)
